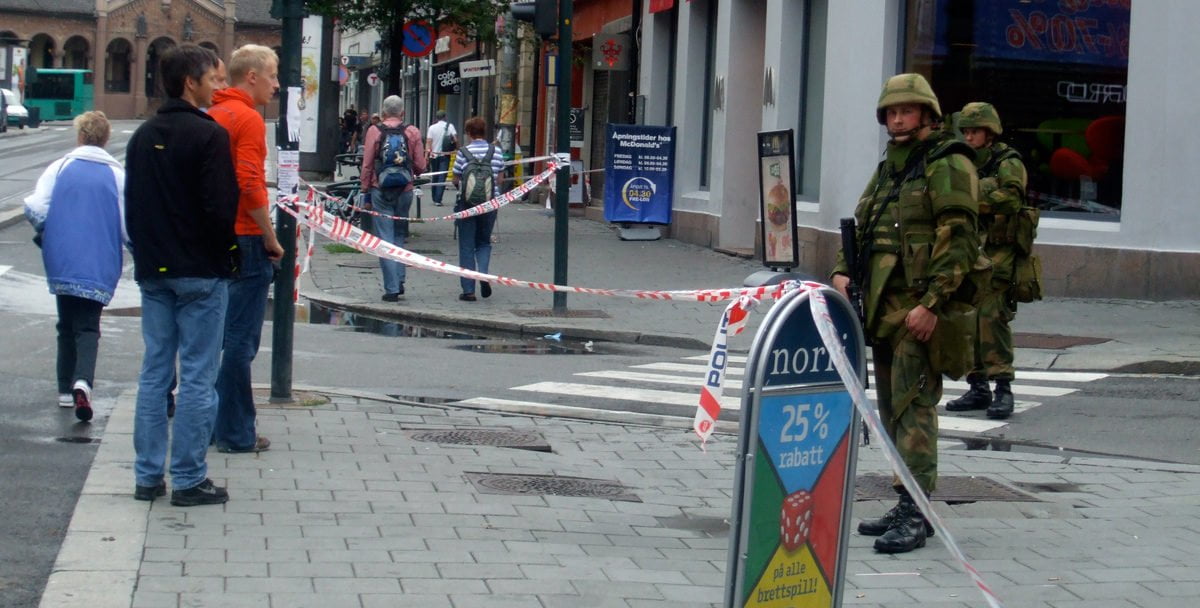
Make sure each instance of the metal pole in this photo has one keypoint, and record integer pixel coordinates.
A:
(506, 118)
(284, 314)
(563, 185)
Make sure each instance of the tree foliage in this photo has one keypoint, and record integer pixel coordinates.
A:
(468, 19)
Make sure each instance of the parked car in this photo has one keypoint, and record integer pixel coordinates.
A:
(17, 114)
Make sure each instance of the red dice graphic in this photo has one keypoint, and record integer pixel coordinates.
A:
(795, 519)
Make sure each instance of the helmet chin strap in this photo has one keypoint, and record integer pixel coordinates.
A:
(909, 133)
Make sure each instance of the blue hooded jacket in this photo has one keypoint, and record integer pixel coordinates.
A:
(78, 206)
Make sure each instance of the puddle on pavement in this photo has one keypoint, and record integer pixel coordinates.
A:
(315, 314)
(537, 347)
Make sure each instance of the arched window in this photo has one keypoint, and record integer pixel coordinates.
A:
(212, 47)
(153, 52)
(76, 53)
(41, 51)
(117, 66)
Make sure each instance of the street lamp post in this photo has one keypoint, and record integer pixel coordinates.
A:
(284, 314)
(562, 201)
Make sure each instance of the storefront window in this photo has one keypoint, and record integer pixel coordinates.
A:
(1056, 71)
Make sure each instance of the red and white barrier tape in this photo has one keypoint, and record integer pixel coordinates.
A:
(508, 197)
(340, 230)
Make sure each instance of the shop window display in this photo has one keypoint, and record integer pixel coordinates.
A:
(1056, 70)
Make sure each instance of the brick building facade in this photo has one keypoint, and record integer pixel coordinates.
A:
(121, 40)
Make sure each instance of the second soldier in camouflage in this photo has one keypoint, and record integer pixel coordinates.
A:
(1002, 180)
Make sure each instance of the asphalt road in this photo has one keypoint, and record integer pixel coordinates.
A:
(24, 155)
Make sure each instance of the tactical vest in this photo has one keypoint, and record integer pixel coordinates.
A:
(904, 222)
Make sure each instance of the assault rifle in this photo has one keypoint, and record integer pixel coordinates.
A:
(854, 264)
(854, 289)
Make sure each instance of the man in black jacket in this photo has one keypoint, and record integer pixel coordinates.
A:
(181, 202)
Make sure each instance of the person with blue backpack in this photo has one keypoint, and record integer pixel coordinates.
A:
(477, 170)
(393, 156)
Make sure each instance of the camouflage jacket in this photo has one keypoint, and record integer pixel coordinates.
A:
(1002, 180)
(923, 239)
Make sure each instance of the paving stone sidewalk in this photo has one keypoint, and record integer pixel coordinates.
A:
(347, 509)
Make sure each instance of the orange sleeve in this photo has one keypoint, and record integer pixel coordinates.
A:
(249, 156)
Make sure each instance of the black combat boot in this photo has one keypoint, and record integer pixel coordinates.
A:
(1002, 403)
(908, 529)
(877, 527)
(978, 398)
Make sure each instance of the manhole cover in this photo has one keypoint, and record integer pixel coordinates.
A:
(554, 485)
(1053, 341)
(572, 313)
(951, 489)
(524, 440)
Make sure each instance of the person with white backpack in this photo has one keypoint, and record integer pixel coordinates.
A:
(477, 171)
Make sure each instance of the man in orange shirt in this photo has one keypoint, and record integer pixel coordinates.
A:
(254, 71)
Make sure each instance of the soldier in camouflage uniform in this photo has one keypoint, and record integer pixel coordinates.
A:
(1002, 180)
(917, 241)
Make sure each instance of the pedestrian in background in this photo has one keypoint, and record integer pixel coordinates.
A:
(1002, 179)
(407, 155)
(477, 170)
(254, 70)
(78, 211)
(440, 140)
(916, 234)
(182, 201)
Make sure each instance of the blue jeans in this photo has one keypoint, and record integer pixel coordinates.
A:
(392, 231)
(475, 245)
(436, 164)
(180, 317)
(243, 330)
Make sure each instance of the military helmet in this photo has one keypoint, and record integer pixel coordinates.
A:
(907, 88)
(980, 114)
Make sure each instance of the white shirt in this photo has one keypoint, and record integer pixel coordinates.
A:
(437, 131)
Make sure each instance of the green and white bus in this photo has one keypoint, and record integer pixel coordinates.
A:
(59, 94)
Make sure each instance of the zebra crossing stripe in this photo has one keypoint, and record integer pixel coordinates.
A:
(621, 393)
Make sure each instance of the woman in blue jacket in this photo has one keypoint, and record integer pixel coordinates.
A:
(78, 210)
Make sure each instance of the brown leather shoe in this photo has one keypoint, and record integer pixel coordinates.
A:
(261, 444)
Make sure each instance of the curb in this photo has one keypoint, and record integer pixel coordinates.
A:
(309, 290)
(12, 217)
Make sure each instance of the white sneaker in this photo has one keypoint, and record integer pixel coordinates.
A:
(66, 400)
(83, 400)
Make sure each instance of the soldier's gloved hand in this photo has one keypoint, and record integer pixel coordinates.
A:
(920, 321)
(987, 185)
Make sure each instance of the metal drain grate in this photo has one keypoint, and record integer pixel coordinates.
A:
(574, 313)
(1053, 341)
(950, 489)
(500, 438)
(553, 485)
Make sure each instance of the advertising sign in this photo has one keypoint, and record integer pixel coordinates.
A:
(578, 115)
(639, 171)
(475, 69)
(796, 456)
(1093, 33)
(310, 82)
(611, 51)
(776, 199)
(448, 82)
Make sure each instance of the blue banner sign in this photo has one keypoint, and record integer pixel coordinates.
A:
(1093, 32)
(639, 170)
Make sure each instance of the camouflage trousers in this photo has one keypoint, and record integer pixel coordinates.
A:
(994, 338)
(907, 393)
